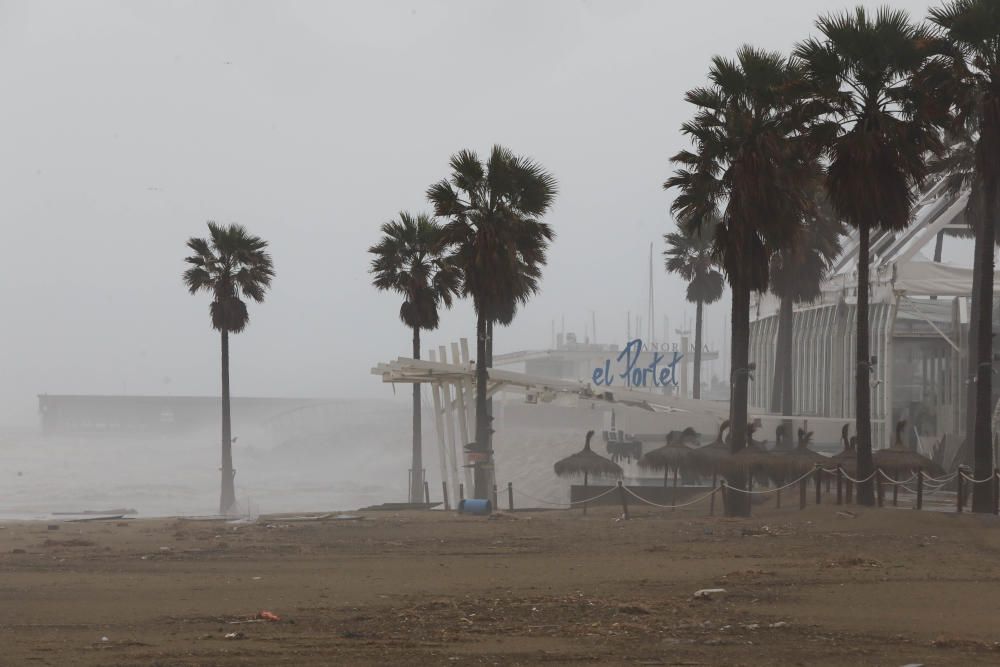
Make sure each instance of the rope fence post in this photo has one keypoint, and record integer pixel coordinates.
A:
(803, 483)
(850, 492)
(461, 491)
(711, 502)
(777, 504)
(444, 494)
(840, 485)
(996, 491)
(494, 499)
(818, 475)
(920, 488)
(960, 496)
(621, 493)
(879, 491)
(510, 496)
(427, 492)
(724, 489)
(895, 490)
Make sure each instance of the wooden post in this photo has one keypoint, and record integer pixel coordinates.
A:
(803, 484)
(960, 501)
(673, 497)
(879, 491)
(723, 489)
(996, 491)
(818, 475)
(427, 492)
(494, 499)
(840, 485)
(510, 496)
(895, 490)
(711, 501)
(621, 492)
(920, 488)
(666, 476)
(777, 505)
(461, 491)
(444, 494)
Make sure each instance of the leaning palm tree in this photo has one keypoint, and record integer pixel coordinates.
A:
(232, 265)
(796, 273)
(971, 31)
(499, 242)
(690, 256)
(408, 261)
(745, 162)
(876, 133)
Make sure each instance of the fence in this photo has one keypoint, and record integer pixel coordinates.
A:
(919, 484)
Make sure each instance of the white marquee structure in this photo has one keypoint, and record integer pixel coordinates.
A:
(918, 322)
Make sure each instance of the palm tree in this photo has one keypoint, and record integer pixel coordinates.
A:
(876, 133)
(745, 161)
(690, 256)
(796, 273)
(971, 32)
(408, 261)
(232, 265)
(499, 243)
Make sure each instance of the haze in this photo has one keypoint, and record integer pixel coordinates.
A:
(125, 126)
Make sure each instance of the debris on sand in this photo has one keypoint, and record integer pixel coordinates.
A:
(635, 609)
(235, 635)
(709, 593)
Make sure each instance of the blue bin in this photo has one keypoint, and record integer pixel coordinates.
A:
(477, 506)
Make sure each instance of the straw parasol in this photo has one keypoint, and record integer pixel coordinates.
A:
(898, 460)
(754, 458)
(674, 455)
(794, 462)
(587, 462)
(708, 460)
(847, 458)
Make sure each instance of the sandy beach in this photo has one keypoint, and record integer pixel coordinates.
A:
(813, 587)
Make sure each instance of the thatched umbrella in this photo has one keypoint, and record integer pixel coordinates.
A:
(754, 458)
(674, 455)
(707, 460)
(587, 462)
(794, 462)
(898, 460)
(847, 458)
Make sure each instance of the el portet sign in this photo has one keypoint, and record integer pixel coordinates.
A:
(657, 373)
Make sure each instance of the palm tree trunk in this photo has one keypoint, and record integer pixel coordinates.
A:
(965, 451)
(696, 391)
(982, 494)
(227, 498)
(480, 476)
(417, 467)
(787, 403)
(738, 504)
(863, 407)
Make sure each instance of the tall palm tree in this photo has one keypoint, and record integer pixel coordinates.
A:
(796, 272)
(690, 256)
(971, 32)
(499, 243)
(876, 132)
(408, 261)
(232, 265)
(744, 162)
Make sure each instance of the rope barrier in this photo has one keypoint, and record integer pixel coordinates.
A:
(945, 479)
(672, 507)
(974, 480)
(896, 481)
(569, 504)
(858, 481)
(780, 488)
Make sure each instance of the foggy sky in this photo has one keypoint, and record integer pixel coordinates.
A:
(126, 125)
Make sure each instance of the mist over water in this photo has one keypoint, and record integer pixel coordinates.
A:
(362, 461)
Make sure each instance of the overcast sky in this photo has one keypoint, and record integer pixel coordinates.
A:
(125, 126)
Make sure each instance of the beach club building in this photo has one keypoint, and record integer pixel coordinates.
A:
(919, 326)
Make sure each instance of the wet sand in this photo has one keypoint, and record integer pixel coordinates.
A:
(887, 587)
